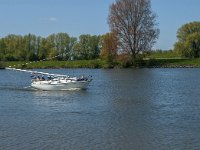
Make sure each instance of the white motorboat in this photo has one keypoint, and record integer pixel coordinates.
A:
(61, 83)
(55, 82)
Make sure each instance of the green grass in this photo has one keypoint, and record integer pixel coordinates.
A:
(169, 59)
(189, 62)
(163, 54)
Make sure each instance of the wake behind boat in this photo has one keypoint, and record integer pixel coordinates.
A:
(55, 82)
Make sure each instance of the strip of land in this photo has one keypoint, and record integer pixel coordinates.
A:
(98, 63)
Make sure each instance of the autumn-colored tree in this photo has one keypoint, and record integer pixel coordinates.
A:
(109, 46)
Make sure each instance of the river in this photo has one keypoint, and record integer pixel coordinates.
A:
(122, 109)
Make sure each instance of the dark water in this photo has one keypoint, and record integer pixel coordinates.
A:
(139, 109)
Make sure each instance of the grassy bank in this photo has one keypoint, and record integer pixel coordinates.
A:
(173, 63)
(59, 64)
(146, 63)
(163, 54)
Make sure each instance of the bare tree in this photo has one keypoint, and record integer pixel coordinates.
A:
(135, 25)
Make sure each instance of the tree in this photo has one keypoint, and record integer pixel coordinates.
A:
(87, 47)
(72, 43)
(60, 42)
(31, 47)
(188, 44)
(135, 25)
(11, 46)
(94, 50)
(45, 49)
(2, 49)
(108, 46)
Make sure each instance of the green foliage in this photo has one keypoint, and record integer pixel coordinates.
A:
(31, 47)
(151, 62)
(9, 57)
(87, 47)
(2, 65)
(124, 61)
(171, 62)
(188, 44)
(60, 43)
(138, 62)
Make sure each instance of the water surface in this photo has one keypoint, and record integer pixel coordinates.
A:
(121, 109)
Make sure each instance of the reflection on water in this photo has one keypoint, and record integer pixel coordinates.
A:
(54, 97)
(121, 109)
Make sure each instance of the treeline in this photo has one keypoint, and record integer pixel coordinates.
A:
(188, 44)
(31, 47)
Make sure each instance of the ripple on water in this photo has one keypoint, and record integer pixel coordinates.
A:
(121, 109)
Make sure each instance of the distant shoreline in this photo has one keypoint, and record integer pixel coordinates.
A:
(95, 64)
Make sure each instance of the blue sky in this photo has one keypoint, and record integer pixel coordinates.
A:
(76, 17)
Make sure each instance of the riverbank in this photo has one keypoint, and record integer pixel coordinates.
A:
(58, 64)
(145, 63)
(172, 63)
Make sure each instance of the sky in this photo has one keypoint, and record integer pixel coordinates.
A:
(76, 17)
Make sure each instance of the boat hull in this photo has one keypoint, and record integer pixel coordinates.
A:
(46, 86)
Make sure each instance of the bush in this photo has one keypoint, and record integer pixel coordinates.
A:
(138, 62)
(124, 61)
(9, 57)
(2, 65)
(151, 63)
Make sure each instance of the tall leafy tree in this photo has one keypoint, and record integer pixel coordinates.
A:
(188, 44)
(61, 43)
(45, 49)
(31, 46)
(135, 25)
(87, 47)
(10, 46)
(21, 52)
(72, 43)
(94, 50)
(2, 49)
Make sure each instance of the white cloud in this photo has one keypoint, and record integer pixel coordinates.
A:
(52, 19)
